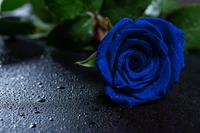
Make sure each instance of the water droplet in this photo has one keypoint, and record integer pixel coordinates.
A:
(40, 86)
(22, 114)
(79, 116)
(37, 112)
(33, 125)
(39, 83)
(1, 119)
(60, 87)
(51, 119)
(41, 100)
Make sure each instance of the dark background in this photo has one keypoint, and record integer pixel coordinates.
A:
(42, 90)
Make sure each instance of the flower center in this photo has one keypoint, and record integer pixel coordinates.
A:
(137, 62)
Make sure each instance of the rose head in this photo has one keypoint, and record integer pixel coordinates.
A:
(140, 61)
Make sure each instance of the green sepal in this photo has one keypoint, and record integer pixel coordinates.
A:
(89, 62)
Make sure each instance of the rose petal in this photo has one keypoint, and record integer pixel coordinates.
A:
(121, 66)
(121, 35)
(122, 79)
(131, 75)
(101, 59)
(119, 81)
(135, 44)
(159, 87)
(112, 51)
(143, 24)
(151, 39)
(121, 98)
(175, 67)
(172, 36)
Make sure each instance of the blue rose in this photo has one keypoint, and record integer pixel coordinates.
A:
(140, 61)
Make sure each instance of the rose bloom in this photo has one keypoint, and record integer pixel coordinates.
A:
(140, 61)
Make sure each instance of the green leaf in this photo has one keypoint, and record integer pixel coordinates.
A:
(42, 11)
(22, 26)
(78, 31)
(17, 27)
(38, 35)
(161, 6)
(89, 48)
(1, 1)
(8, 5)
(66, 9)
(116, 10)
(168, 6)
(93, 5)
(89, 62)
(187, 19)
(42, 30)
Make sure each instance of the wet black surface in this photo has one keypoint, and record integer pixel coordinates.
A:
(42, 90)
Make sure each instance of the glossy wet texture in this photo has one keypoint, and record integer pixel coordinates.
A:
(42, 90)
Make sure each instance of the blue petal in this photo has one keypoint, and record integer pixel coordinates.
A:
(143, 24)
(112, 50)
(175, 68)
(129, 32)
(134, 43)
(119, 81)
(132, 77)
(159, 87)
(121, 98)
(160, 49)
(121, 63)
(141, 82)
(141, 34)
(101, 59)
(172, 36)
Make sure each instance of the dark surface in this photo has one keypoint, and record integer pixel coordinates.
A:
(41, 90)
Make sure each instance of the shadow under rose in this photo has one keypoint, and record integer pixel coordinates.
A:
(67, 60)
(20, 49)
